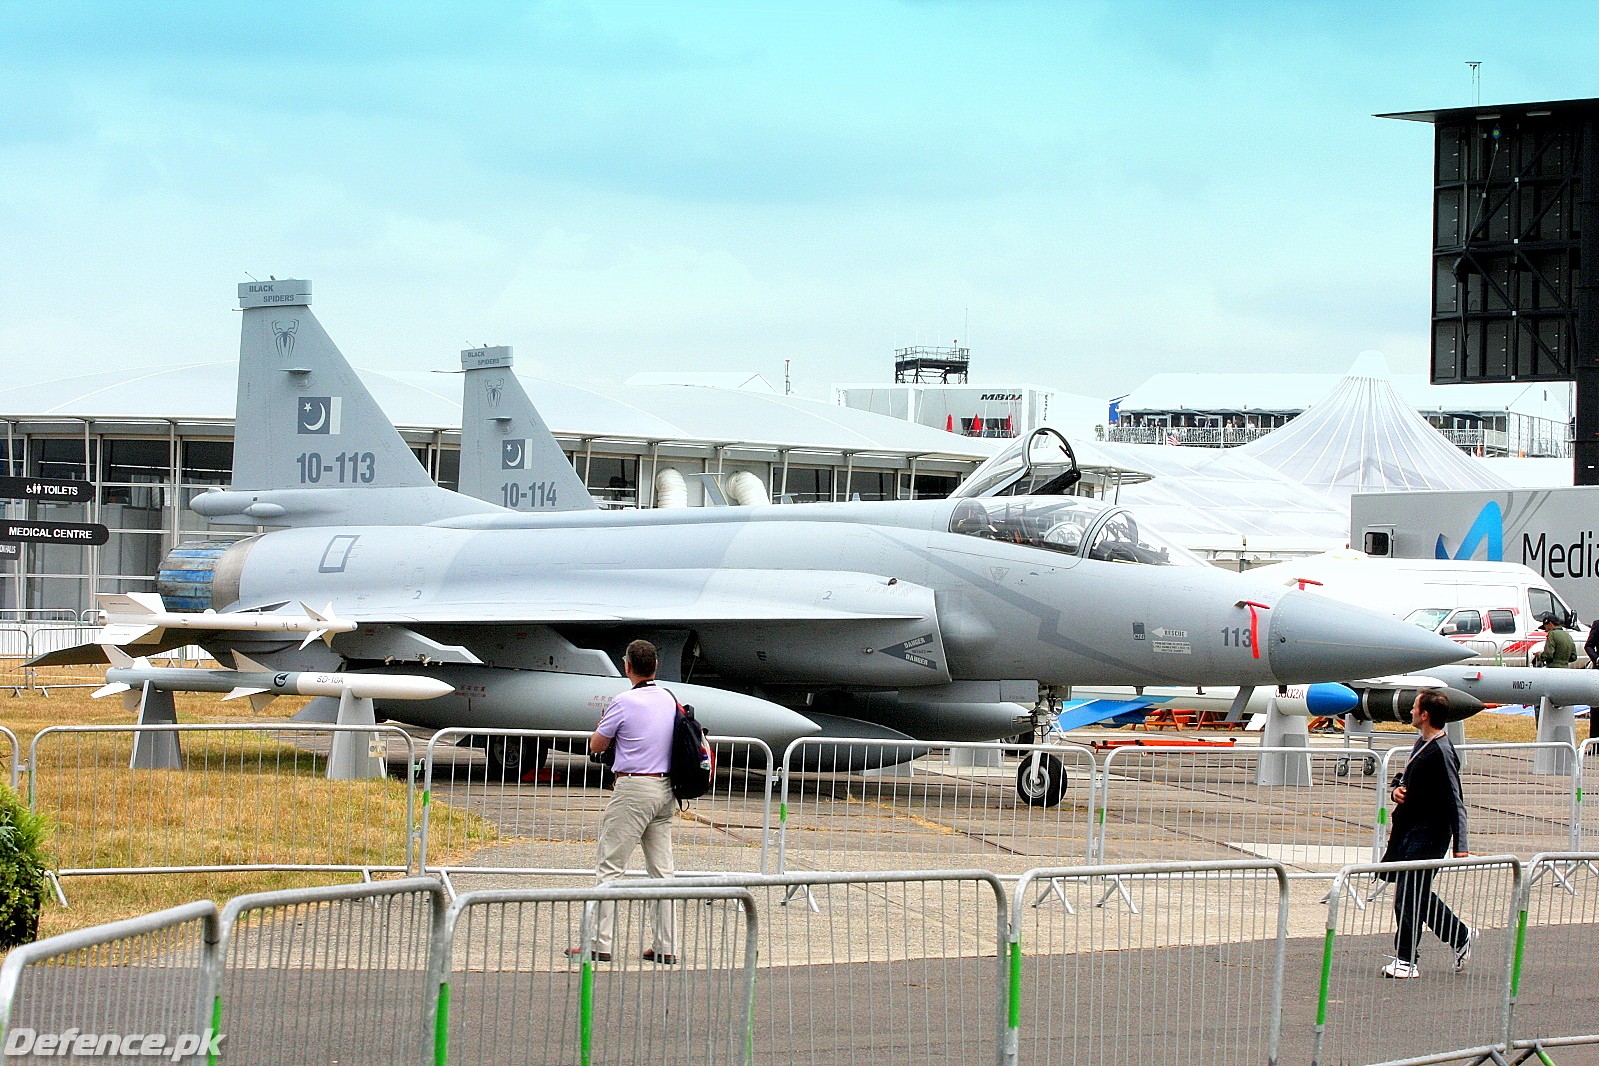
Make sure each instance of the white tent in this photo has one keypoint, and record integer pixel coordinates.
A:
(1362, 437)
(1223, 504)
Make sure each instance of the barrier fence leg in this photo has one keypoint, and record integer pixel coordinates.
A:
(1114, 886)
(55, 883)
(1050, 888)
(156, 749)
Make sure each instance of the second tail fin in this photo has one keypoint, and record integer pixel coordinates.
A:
(508, 455)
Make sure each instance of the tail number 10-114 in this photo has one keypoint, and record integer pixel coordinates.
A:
(533, 495)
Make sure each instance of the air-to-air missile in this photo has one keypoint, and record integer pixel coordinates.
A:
(261, 684)
(137, 617)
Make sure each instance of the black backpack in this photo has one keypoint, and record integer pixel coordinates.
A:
(693, 761)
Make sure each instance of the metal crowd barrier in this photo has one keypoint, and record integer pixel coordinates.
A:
(896, 968)
(932, 804)
(335, 974)
(1560, 921)
(1162, 804)
(1520, 798)
(901, 967)
(248, 798)
(48, 638)
(1445, 1013)
(144, 976)
(13, 763)
(506, 989)
(549, 819)
(1190, 972)
(1587, 826)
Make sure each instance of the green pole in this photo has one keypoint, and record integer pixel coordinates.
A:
(216, 1027)
(585, 1013)
(441, 1026)
(1326, 979)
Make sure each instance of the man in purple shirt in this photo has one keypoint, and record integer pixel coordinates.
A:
(639, 723)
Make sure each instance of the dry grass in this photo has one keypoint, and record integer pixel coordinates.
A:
(258, 800)
(1487, 726)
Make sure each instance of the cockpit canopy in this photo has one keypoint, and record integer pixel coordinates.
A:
(1040, 464)
(1072, 525)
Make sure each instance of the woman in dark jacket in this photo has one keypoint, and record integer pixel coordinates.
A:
(1429, 816)
(1592, 647)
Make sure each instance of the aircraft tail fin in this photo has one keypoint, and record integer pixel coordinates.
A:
(311, 445)
(508, 456)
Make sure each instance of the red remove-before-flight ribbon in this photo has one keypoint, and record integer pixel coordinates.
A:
(1254, 623)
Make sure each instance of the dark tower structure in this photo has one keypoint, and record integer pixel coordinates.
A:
(931, 366)
(1515, 252)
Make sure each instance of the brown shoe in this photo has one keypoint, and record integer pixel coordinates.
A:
(579, 954)
(664, 960)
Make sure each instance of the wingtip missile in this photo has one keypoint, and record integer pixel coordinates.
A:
(130, 617)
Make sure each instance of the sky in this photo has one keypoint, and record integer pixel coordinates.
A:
(1085, 194)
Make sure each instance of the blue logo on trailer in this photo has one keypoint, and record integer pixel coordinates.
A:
(1487, 531)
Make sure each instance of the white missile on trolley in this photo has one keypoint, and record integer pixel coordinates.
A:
(261, 684)
(132, 617)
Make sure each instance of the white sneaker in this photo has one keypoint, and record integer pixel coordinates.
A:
(1401, 968)
(1463, 954)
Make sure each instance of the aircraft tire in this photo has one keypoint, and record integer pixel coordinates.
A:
(510, 758)
(1040, 780)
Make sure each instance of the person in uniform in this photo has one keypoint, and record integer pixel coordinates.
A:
(1429, 815)
(1559, 650)
(638, 724)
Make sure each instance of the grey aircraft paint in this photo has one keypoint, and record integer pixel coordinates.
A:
(780, 605)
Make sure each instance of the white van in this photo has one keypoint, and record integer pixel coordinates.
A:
(1494, 609)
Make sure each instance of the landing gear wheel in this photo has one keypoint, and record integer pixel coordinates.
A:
(1040, 780)
(511, 758)
(1343, 767)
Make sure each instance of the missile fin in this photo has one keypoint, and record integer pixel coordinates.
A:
(320, 616)
(312, 635)
(243, 662)
(116, 656)
(110, 690)
(129, 633)
(134, 603)
(242, 690)
(130, 700)
(259, 701)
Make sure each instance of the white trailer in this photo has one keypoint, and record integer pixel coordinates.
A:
(1553, 531)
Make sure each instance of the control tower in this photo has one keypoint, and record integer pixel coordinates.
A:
(931, 366)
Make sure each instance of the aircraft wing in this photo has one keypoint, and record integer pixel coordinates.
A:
(663, 597)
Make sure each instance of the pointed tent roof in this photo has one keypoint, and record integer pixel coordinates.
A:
(1363, 438)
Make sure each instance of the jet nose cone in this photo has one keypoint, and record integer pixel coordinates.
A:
(1312, 638)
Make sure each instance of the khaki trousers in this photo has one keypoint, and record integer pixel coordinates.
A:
(641, 811)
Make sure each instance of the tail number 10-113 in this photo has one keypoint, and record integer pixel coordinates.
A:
(342, 468)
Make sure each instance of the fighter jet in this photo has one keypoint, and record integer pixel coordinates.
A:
(893, 620)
